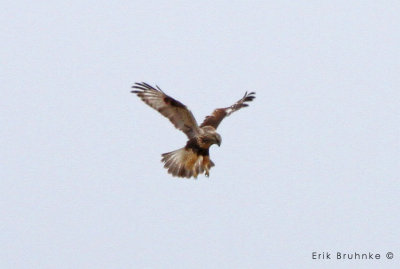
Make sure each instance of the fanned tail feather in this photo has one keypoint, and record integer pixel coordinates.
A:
(186, 163)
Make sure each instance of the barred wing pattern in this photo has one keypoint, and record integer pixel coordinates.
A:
(220, 113)
(175, 111)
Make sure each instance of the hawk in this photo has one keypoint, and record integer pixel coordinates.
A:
(194, 158)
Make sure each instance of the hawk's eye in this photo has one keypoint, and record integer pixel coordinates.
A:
(205, 140)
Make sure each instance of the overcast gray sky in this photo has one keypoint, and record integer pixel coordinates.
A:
(311, 165)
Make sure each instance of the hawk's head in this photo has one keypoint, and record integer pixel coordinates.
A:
(209, 137)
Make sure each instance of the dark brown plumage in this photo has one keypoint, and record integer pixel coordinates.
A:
(193, 159)
(220, 113)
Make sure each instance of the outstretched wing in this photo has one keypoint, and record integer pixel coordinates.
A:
(220, 113)
(174, 110)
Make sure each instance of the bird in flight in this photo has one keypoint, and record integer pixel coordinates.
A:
(194, 158)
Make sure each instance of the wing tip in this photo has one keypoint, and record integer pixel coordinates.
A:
(248, 97)
(143, 86)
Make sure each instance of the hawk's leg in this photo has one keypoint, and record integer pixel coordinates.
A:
(207, 173)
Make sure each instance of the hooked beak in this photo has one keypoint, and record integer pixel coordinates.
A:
(218, 141)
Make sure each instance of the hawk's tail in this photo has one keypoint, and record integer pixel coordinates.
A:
(186, 163)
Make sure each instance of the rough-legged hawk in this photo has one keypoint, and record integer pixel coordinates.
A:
(193, 159)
